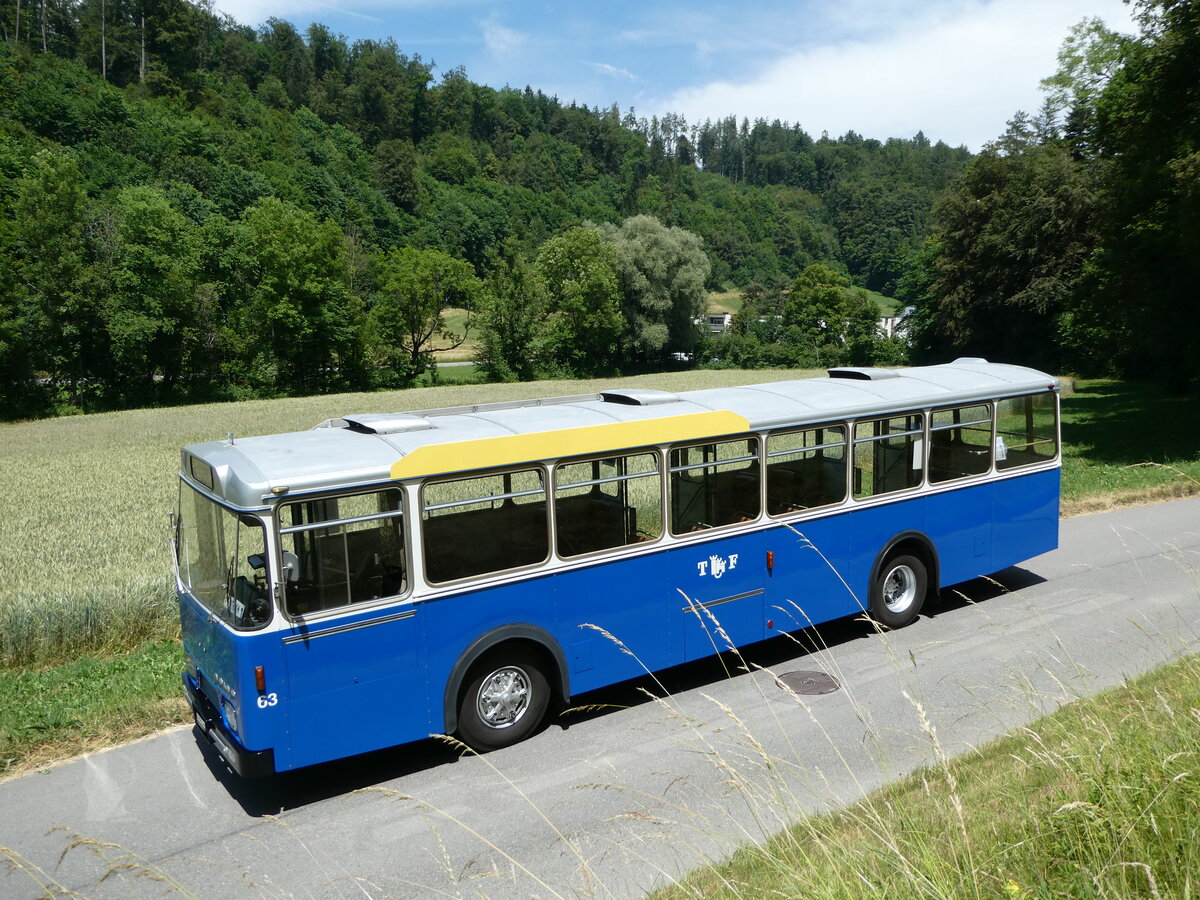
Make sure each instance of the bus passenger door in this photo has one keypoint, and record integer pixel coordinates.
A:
(354, 686)
(720, 589)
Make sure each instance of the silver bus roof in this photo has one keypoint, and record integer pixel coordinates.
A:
(370, 448)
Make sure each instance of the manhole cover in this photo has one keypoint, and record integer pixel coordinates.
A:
(808, 682)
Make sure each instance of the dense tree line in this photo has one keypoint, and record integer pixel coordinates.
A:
(195, 209)
(1071, 242)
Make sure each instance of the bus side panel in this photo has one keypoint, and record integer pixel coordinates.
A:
(960, 526)
(632, 602)
(1026, 518)
(874, 527)
(716, 593)
(805, 585)
(353, 689)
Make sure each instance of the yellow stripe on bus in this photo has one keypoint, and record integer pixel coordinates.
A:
(507, 450)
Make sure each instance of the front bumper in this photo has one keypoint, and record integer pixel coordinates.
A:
(247, 763)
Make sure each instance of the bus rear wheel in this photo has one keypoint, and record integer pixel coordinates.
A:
(899, 591)
(507, 695)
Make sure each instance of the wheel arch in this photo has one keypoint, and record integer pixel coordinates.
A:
(918, 544)
(520, 634)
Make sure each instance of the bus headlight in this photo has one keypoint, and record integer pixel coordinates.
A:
(231, 715)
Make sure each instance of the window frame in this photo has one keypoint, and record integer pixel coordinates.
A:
(1055, 436)
(844, 443)
(401, 514)
(542, 470)
(672, 469)
(659, 472)
(919, 434)
(990, 447)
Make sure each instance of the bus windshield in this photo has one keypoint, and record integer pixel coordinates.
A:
(222, 560)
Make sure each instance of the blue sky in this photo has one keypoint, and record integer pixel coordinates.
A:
(956, 69)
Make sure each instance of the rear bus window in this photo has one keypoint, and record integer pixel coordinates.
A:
(714, 484)
(605, 503)
(1026, 430)
(475, 526)
(806, 469)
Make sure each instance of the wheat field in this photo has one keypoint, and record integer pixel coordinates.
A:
(84, 500)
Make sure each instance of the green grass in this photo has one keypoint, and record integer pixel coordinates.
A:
(457, 322)
(1125, 442)
(888, 306)
(725, 302)
(1097, 800)
(87, 704)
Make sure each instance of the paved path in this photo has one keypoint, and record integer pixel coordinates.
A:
(612, 802)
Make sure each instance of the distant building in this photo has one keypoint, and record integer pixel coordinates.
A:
(719, 322)
(891, 326)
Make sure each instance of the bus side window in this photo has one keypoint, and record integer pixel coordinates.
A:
(347, 550)
(960, 443)
(1027, 429)
(887, 455)
(714, 484)
(806, 469)
(605, 503)
(489, 523)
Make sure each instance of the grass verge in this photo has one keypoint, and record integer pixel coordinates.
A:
(1126, 444)
(1096, 800)
(88, 704)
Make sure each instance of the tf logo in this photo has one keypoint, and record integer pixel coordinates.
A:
(716, 565)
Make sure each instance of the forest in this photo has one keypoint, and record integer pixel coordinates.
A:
(197, 210)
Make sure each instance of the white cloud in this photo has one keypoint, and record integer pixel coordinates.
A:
(612, 71)
(958, 77)
(500, 39)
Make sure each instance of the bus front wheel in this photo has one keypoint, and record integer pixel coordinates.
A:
(899, 591)
(505, 699)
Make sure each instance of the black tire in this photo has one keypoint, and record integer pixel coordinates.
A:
(504, 701)
(898, 591)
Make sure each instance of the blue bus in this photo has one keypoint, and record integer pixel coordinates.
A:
(386, 577)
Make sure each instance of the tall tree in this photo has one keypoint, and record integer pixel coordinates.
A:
(1014, 237)
(151, 289)
(1148, 131)
(510, 312)
(662, 274)
(416, 287)
(583, 328)
(302, 323)
(52, 262)
(816, 316)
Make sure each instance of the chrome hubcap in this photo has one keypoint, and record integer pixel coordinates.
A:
(503, 697)
(899, 589)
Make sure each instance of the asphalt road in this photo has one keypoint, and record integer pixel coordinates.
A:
(629, 793)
